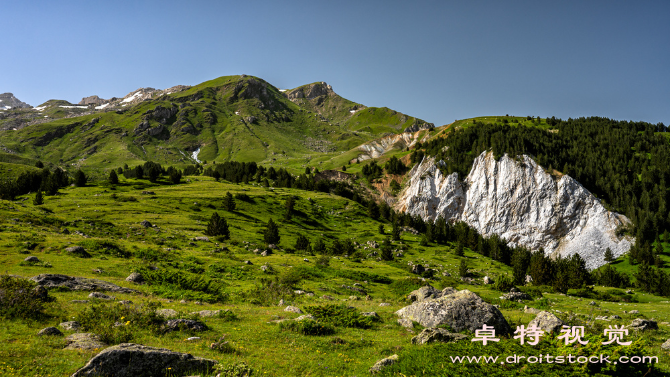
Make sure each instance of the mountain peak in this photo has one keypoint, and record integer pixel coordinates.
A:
(8, 101)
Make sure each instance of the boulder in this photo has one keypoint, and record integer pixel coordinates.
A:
(372, 315)
(643, 324)
(424, 293)
(136, 278)
(201, 239)
(461, 310)
(207, 313)
(77, 251)
(515, 296)
(41, 293)
(292, 309)
(634, 312)
(488, 280)
(666, 345)
(547, 322)
(49, 331)
(186, 324)
(383, 363)
(418, 269)
(265, 253)
(167, 313)
(135, 360)
(31, 259)
(526, 309)
(84, 341)
(406, 323)
(615, 317)
(437, 335)
(146, 224)
(77, 283)
(100, 296)
(70, 325)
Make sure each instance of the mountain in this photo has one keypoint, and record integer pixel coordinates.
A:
(240, 118)
(8, 102)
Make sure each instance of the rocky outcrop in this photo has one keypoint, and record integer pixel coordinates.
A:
(77, 283)
(431, 335)
(310, 91)
(641, 324)
(92, 100)
(460, 310)
(135, 360)
(385, 144)
(520, 202)
(419, 126)
(383, 363)
(547, 322)
(8, 101)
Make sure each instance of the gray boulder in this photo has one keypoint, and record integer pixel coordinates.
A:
(78, 251)
(526, 309)
(372, 315)
(424, 293)
(515, 296)
(167, 313)
(146, 224)
(135, 360)
(49, 331)
(186, 324)
(406, 323)
(136, 278)
(208, 313)
(547, 322)
(31, 259)
(461, 310)
(77, 283)
(293, 309)
(84, 341)
(634, 312)
(383, 363)
(437, 335)
(666, 345)
(100, 296)
(70, 325)
(643, 324)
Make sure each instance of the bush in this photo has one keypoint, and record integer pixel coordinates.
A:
(20, 299)
(504, 283)
(183, 285)
(105, 247)
(268, 293)
(405, 286)
(117, 323)
(307, 327)
(240, 369)
(340, 315)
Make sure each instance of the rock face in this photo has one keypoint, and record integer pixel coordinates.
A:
(437, 335)
(376, 148)
(520, 202)
(428, 292)
(547, 322)
(460, 310)
(77, 283)
(8, 101)
(92, 100)
(134, 360)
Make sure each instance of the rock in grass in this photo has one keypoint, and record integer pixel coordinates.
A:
(437, 335)
(207, 313)
(100, 296)
(50, 331)
(70, 325)
(31, 259)
(461, 310)
(643, 324)
(84, 341)
(135, 360)
(77, 283)
(78, 251)
(666, 345)
(146, 224)
(547, 322)
(293, 309)
(406, 323)
(167, 313)
(186, 324)
(136, 278)
(526, 309)
(383, 363)
(372, 315)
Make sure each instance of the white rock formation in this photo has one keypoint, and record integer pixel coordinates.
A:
(376, 148)
(520, 202)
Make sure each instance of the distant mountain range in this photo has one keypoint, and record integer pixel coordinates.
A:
(8, 102)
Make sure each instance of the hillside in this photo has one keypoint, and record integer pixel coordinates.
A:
(239, 118)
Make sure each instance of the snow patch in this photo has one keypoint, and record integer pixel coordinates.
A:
(39, 108)
(195, 153)
(132, 98)
(74, 107)
(7, 108)
(101, 106)
(283, 90)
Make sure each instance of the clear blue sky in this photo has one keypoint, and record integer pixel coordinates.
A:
(437, 60)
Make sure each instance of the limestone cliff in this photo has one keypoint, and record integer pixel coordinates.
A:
(519, 201)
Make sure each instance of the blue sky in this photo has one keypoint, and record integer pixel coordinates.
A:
(436, 60)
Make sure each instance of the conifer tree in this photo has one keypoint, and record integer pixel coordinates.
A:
(218, 227)
(113, 178)
(381, 228)
(229, 202)
(395, 232)
(39, 200)
(459, 249)
(271, 235)
(609, 257)
(289, 205)
(387, 250)
(80, 178)
(302, 243)
(463, 268)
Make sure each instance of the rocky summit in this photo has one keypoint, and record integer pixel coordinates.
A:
(519, 201)
(8, 101)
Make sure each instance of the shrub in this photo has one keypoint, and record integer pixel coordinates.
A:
(240, 369)
(20, 299)
(218, 226)
(268, 292)
(307, 327)
(105, 247)
(340, 315)
(177, 285)
(405, 286)
(117, 323)
(503, 283)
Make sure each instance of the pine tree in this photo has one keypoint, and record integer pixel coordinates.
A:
(289, 206)
(39, 200)
(381, 228)
(463, 268)
(218, 226)
(395, 232)
(271, 235)
(302, 243)
(80, 178)
(229, 202)
(387, 250)
(175, 176)
(113, 178)
(609, 257)
(459, 249)
(373, 209)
